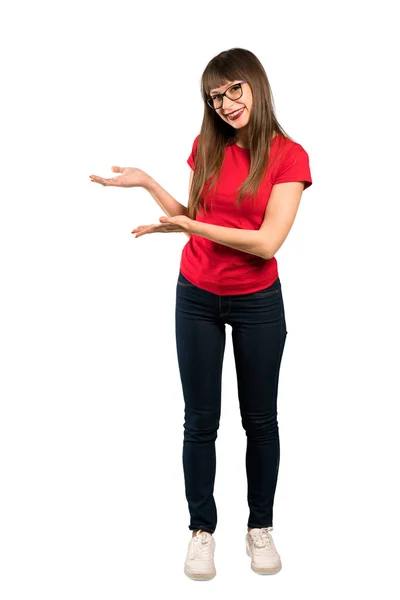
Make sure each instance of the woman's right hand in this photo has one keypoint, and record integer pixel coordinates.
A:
(130, 177)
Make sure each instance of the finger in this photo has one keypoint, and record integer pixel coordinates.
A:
(118, 169)
(97, 179)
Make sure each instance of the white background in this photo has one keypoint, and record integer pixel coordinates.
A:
(91, 425)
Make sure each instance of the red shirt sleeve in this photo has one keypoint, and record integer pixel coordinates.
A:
(294, 167)
(192, 156)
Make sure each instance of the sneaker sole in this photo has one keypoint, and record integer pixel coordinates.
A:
(264, 570)
(200, 576)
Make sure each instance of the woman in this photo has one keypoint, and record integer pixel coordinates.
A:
(245, 186)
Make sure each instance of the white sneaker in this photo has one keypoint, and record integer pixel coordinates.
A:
(199, 563)
(260, 546)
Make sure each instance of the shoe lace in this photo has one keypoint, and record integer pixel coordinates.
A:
(261, 537)
(201, 545)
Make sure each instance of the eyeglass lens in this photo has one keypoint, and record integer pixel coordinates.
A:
(233, 93)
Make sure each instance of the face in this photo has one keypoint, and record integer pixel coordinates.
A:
(244, 103)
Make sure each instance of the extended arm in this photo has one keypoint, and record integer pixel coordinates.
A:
(169, 205)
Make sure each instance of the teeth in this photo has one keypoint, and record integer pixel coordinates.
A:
(235, 113)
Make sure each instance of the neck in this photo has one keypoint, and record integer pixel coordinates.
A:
(244, 142)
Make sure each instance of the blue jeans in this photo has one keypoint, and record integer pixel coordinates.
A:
(258, 337)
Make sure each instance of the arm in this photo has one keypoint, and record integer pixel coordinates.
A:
(169, 205)
(246, 240)
(190, 185)
(279, 216)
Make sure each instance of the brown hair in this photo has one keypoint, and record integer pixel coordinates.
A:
(216, 134)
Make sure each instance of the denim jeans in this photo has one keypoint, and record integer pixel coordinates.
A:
(258, 338)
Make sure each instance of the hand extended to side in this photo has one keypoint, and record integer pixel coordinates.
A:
(133, 177)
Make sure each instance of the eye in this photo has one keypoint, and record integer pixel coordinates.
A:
(216, 97)
(234, 87)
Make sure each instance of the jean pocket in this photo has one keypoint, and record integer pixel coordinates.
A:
(183, 281)
(275, 288)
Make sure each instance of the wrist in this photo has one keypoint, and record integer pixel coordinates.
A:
(148, 181)
(192, 226)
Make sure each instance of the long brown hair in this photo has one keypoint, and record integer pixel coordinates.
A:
(216, 134)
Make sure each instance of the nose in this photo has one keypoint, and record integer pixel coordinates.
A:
(229, 103)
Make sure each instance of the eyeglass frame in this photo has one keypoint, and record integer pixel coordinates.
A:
(224, 94)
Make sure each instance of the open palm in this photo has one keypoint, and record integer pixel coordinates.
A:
(167, 225)
(130, 177)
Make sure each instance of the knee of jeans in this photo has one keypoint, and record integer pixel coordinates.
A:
(260, 428)
(201, 427)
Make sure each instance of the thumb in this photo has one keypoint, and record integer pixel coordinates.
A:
(117, 169)
(163, 219)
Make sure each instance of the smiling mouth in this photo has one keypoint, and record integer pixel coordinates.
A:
(235, 114)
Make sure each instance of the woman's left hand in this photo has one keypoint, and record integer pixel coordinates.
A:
(168, 225)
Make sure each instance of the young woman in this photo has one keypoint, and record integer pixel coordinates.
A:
(245, 187)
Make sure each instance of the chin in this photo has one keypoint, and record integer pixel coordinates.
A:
(243, 123)
(237, 127)
(240, 126)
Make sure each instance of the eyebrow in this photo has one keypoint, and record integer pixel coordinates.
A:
(217, 92)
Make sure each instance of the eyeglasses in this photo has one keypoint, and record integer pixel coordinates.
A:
(234, 92)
